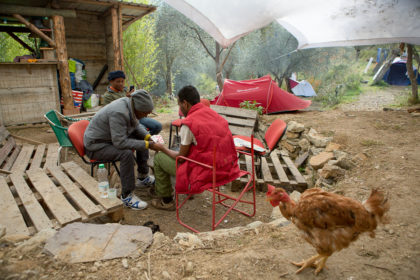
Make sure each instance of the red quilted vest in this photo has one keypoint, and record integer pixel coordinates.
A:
(210, 130)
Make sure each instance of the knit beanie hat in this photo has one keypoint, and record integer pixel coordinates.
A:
(116, 74)
(142, 101)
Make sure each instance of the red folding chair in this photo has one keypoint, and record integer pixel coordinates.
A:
(177, 124)
(220, 198)
(75, 133)
(272, 137)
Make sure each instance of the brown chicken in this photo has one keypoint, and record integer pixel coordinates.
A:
(328, 221)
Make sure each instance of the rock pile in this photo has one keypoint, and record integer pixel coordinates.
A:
(325, 162)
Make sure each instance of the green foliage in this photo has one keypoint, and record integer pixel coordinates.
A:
(252, 105)
(140, 52)
(205, 84)
(9, 48)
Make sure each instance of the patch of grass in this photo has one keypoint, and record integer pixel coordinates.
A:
(380, 125)
(164, 110)
(350, 95)
(370, 143)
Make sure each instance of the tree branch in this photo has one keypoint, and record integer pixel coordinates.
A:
(226, 57)
(201, 41)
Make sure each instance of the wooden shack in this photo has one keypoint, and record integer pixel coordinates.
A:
(88, 30)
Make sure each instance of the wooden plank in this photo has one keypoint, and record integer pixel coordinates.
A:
(52, 155)
(62, 210)
(239, 121)
(301, 159)
(231, 111)
(31, 204)
(10, 216)
(90, 185)
(6, 149)
(237, 130)
(279, 169)
(37, 159)
(74, 192)
(12, 158)
(23, 159)
(248, 160)
(295, 172)
(3, 134)
(266, 171)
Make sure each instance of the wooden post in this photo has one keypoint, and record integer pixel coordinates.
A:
(120, 36)
(116, 39)
(63, 66)
(35, 30)
(413, 80)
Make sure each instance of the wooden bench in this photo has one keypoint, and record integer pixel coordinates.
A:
(51, 198)
(241, 121)
(278, 170)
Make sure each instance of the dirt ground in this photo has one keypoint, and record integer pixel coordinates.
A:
(388, 139)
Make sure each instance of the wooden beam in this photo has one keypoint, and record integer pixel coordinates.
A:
(120, 36)
(129, 22)
(16, 29)
(35, 11)
(115, 40)
(63, 66)
(23, 44)
(35, 30)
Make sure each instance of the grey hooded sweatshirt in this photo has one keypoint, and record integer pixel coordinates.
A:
(117, 125)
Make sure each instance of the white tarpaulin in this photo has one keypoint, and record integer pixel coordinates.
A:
(314, 23)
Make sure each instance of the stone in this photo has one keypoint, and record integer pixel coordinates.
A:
(304, 144)
(2, 231)
(290, 148)
(15, 238)
(159, 239)
(324, 183)
(292, 135)
(318, 140)
(361, 157)
(275, 213)
(124, 263)
(319, 160)
(255, 224)
(296, 127)
(188, 240)
(331, 147)
(83, 242)
(280, 222)
(316, 151)
(309, 180)
(166, 275)
(93, 269)
(36, 241)
(344, 160)
(295, 196)
(189, 269)
(332, 172)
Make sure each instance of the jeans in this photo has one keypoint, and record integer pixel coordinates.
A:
(151, 125)
(126, 159)
(164, 167)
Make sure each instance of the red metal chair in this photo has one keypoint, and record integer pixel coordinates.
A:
(177, 124)
(76, 132)
(218, 196)
(272, 137)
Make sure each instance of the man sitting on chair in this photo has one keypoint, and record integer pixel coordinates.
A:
(113, 134)
(202, 131)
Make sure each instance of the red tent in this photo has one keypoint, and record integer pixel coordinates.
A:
(263, 90)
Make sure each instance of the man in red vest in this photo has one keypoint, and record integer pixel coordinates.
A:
(202, 131)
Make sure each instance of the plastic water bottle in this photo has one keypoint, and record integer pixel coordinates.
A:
(103, 183)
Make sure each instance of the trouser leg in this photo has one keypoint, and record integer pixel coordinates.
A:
(152, 125)
(142, 167)
(126, 159)
(164, 168)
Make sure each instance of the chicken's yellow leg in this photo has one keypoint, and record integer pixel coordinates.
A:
(321, 264)
(307, 263)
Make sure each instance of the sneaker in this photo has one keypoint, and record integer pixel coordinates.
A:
(146, 182)
(133, 202)
(159, 204)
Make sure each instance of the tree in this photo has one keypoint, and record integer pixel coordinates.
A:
(413, 80)
(140, 52)
(9, 48)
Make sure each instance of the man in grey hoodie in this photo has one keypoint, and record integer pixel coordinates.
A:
(114, 133)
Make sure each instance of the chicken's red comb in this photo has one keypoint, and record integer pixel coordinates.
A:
(270, 190)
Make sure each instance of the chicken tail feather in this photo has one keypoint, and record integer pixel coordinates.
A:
(378, 204)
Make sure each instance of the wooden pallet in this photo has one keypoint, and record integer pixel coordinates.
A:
(241, 121)
(51, 198)
(277, 169)
(19, 158)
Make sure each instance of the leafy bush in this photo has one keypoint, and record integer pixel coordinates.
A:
(205, 84)
(252, 105)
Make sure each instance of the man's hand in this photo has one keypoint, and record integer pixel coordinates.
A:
(156, 146)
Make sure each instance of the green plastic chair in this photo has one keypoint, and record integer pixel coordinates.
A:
(59, 131)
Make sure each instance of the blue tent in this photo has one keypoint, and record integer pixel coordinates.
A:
(397, 74)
